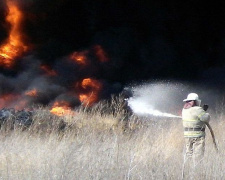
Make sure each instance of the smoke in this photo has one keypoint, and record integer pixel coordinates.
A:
(110, 44)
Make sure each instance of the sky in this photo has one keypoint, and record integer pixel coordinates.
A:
(140, 41)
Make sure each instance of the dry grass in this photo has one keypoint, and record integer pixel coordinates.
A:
(97, 144)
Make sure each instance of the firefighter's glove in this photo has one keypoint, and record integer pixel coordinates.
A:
(205, 107)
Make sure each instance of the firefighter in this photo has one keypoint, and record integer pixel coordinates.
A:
(194, 118)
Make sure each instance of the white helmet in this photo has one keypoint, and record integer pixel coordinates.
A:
(193, 97)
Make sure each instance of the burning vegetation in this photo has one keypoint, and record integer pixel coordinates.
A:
(48, 71)
(32, 93)
(8, 100)
(91, 89)
(79, 57)
(13, 47)
(48, 80)
(101, 54)
(61, 108)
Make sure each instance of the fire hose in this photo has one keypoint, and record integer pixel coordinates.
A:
(214, 142)
(213, 136)
(205, 107)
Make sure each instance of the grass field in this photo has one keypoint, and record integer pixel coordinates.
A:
(97, 144)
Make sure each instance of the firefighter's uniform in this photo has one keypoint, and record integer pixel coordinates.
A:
(194, 118)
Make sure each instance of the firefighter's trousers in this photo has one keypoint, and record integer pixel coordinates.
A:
(195, 148)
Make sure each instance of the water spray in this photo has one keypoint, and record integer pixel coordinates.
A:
(157, 99)
(140, 107)
(144, 105)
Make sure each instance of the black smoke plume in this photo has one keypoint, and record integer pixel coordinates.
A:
(143, 40)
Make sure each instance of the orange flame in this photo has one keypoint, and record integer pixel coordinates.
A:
(21, 104)
(48, 70)
(100, 53)
(79, 57)
(32, 93)
(61, 108)
(92, 88)
(13, 47)
(12, 101)
(6, 99)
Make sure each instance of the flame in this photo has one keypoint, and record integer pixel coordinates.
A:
(7, 99)
(13, 47)
(100, 53)
(21, 104)
(92, 88)
(32, 93)
(12, 101)
(79, 57)
(82, 59)
(48, 70)
(61, 108)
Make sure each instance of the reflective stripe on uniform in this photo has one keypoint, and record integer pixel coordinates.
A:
(194, 129)
(199, 116)
(190, 120)
(194, 133)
